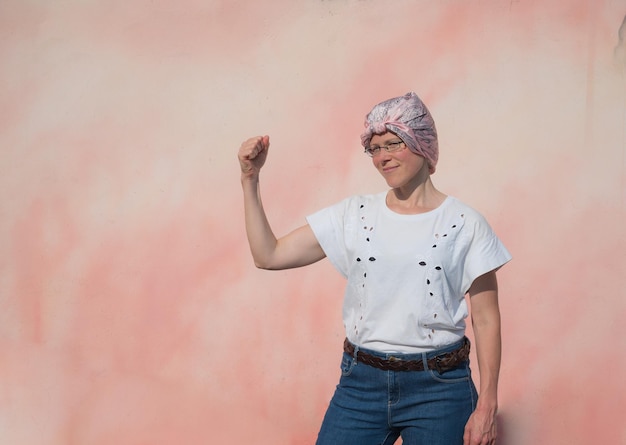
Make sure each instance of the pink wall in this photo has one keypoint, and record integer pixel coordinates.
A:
(131, 312)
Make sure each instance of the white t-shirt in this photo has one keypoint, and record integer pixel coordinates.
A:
(407, 274)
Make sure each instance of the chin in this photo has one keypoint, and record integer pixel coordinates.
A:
(394, 184)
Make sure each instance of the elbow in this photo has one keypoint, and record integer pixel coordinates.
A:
(260, 260)
(260, 264)
(487, 323)
(263, 264)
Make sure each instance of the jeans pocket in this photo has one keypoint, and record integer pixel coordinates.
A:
(347, 364)
(461, 373)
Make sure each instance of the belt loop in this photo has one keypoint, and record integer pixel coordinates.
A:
(425, 361)
(356, 353)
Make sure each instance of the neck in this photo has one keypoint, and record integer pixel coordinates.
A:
(415, 199)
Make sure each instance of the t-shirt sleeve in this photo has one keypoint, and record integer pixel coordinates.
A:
(329, 228)
(485, 253)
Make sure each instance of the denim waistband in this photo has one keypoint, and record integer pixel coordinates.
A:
(413, 356)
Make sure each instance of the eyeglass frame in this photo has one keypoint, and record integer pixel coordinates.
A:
(390, 147)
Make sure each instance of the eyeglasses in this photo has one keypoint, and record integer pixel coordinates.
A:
(389, 148)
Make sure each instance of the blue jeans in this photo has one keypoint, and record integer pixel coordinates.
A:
(375, 407)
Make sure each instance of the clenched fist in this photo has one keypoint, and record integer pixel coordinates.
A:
(252, 155)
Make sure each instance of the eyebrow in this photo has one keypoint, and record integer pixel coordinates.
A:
(387, 141)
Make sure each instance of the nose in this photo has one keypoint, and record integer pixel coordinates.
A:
(382, 156)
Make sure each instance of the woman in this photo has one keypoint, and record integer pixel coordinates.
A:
(410, 254)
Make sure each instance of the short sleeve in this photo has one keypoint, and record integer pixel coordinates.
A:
(485, 252)
(329, 228)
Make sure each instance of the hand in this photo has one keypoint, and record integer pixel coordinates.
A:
(252, 155)
(481, 428)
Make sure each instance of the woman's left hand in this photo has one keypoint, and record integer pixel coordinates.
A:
(481, 428)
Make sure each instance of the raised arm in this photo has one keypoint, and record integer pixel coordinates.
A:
(481, 426)
(296, 249)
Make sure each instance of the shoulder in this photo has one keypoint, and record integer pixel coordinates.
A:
(348, 209)
(374, 198)
(464, 210)
(361, 202)
(475, 225)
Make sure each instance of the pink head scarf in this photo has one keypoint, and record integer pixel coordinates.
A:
(408, 118)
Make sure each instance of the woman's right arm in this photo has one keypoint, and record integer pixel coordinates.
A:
(296, 249)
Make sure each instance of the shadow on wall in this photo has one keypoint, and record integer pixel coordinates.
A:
(620, 49)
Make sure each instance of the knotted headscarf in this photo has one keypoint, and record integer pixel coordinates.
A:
(408, 118)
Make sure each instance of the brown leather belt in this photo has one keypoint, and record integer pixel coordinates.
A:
(442, 363)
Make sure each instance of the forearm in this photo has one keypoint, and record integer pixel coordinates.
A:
(488, 350)
(261, 238)
(486, 324)
(299, 247)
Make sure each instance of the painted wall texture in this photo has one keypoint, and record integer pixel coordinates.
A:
(130, 309)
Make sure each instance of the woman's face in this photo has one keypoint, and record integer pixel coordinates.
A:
(399, 168)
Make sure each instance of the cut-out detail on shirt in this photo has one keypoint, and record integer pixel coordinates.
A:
(421, 301)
